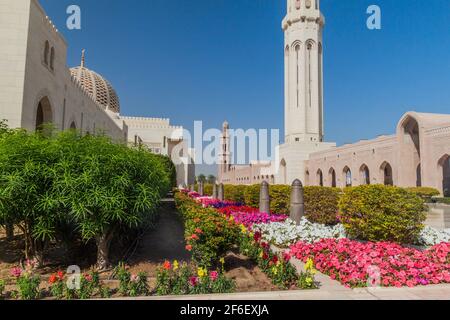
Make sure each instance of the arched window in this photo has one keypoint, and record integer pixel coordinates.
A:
(332, 177)
(46, 52)
(386, 170)
(307, 178)
(52, 58)
(365, 175)
(320, 178)
(73, 126)
(283, 172)
(444, 164)
(43, 113)
(419, 175)
(298, 84)
(348, 177)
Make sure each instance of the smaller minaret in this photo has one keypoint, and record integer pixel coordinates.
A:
(83, 58)
(225, 152)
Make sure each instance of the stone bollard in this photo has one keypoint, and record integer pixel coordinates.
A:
(297, 202)
(264, 198)
(200, 188)
(9, 231)
(184, 186)
(221, 192)
(214, 192)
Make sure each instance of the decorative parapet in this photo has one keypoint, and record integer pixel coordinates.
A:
(438, 130)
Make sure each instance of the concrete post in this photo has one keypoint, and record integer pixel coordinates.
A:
(214, 192)
(200, 188)
(297, 202)
(264, 198)
(221, 192)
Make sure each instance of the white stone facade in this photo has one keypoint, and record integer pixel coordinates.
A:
(37, 87)
(417, 155)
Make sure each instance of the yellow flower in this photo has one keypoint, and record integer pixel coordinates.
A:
(274, 270)
(201, 272)
(243, 229)
(175, 265)
(222, 260)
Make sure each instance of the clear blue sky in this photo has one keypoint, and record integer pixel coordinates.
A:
(213, 60)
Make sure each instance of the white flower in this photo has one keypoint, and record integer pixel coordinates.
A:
(287, 233)
(430, 236)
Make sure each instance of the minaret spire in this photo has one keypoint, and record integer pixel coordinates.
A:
(83, 57)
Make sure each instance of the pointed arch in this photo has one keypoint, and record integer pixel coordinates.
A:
(319, 177)
(347, 176)
(44, 114)
(387, 173)
(332, 178)
(364, 175)
(444, 172)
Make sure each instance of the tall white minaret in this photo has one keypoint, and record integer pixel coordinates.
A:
(303, 26)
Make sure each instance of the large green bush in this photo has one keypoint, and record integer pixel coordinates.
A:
(425, 193)
(234, 192)
(382, 213)
(89, 184)
(322, 204)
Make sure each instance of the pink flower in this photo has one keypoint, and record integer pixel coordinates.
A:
(193, 281)
(213, 275)
(16, 272)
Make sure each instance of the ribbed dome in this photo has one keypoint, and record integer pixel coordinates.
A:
(100, 88)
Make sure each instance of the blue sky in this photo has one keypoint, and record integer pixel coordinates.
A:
(213, 60)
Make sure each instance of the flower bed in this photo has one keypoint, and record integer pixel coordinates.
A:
(277, 267)
(357, 264)
(284, 234)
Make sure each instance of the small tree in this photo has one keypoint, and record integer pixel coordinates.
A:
(211, 179)
(108, 186)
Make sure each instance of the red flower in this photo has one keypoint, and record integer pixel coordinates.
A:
(52, 279)
(189, 247)
(257, 236)
(275, 259)
(194, 237)
(286, 257)
(198, 230)
(167, 265)
(265, 256)
(88, 277)
(193, 281)
(60, 275)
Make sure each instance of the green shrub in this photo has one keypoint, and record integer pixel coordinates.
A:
(280, 199)
(209, 234)
(322, 204)
(251, 195)
(441, 200)
(234, 192)
(2, 287)
(208, 189)
(424, 192)
(382, 213)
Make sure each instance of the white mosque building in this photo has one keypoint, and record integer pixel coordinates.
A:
(418, 154)
(37, 87)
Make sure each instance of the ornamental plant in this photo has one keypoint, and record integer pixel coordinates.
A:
(350, 262)
(27, 283)
(2, 287)
(57, 285)
(321, 204)
(382, 213)
(184, 279)
(209, 234)
(131, 285)
(306, 279)
(425, 193)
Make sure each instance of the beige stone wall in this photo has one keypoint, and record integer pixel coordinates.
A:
(13, 50)
(26, 80)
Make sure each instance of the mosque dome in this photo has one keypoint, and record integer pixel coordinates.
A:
(101, 90)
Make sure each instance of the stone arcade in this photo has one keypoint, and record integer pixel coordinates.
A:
(418, 154)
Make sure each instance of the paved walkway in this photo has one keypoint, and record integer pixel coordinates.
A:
(166, 241)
